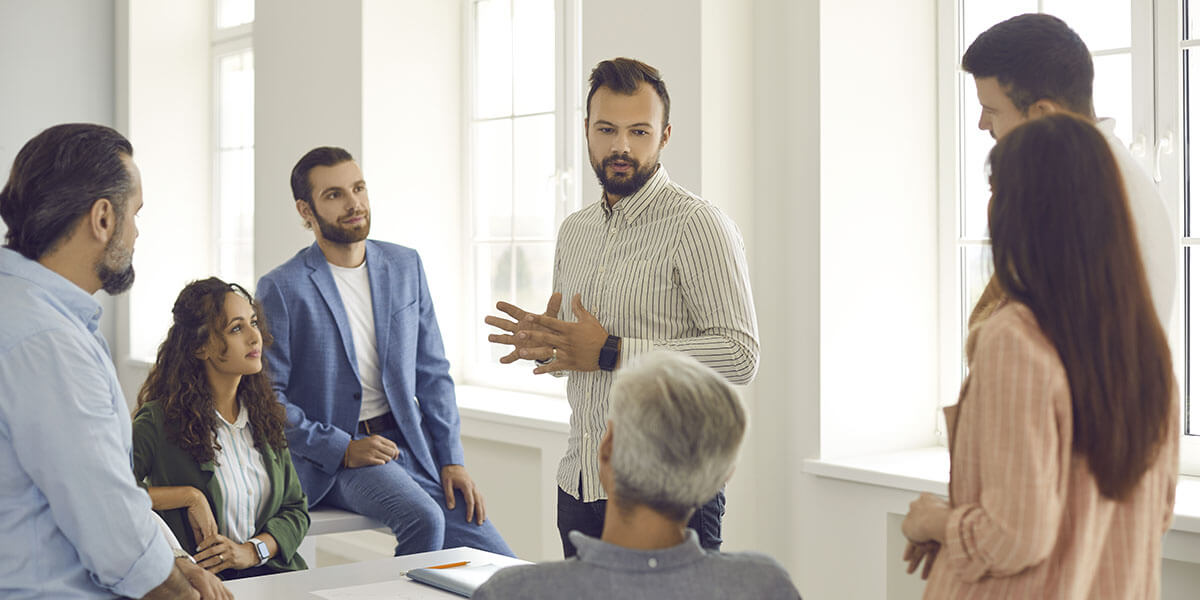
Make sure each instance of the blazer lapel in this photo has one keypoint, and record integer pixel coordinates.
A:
(213, 487)
(322, 277)
(380, 274)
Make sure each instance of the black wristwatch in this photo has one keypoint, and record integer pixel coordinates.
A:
(609, 353)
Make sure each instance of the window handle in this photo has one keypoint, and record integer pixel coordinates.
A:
(1138, 147)
(1165, 145)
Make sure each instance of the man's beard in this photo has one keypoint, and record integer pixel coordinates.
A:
(115, 267)
(338, 234)
(623, 186)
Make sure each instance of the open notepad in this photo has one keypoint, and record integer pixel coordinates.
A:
(459, 580)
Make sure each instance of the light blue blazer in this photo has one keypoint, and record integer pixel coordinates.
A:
(313, 364)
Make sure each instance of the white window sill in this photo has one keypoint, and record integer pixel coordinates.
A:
(524, 409)
(928, 470)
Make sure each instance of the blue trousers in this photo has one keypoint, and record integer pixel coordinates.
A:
(401, 495)
(588, 519)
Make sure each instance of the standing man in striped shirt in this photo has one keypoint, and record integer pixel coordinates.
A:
(650, 266)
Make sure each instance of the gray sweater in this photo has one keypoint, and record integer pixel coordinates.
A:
(604, 571)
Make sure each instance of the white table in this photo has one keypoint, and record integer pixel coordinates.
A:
(299, 584)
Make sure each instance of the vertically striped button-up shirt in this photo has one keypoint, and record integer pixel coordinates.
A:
(245, 485)
(661, 269)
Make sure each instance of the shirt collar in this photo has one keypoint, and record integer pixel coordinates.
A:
(77, 301)
(610, 556)
(242, 419)
(633, 205)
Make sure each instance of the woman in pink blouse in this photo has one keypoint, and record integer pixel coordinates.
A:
(1064, 444)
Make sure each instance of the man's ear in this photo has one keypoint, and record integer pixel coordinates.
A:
(666, 137)
(102, 220)
(606, 444)
(305, 212)
(1043, 108)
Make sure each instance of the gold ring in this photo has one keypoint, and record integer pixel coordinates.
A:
(554, 352)
(220, 558)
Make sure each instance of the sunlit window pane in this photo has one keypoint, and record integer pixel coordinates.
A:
(493, 58)
(1103, 24)
(1191, 81)
(976, 144)
(234, 177)
(231, 13)
(492, 281)
(236, 127)
(533, 176)
(533, 56)
(979, 15)
(492, 180)
(1112, 92)
(1192, 266)
(533, 269)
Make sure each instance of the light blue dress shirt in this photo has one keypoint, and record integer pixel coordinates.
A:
(74, 524)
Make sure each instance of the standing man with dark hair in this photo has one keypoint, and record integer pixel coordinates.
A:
(358, 364)
(650, 266)
(1034, 65)
(75, 523)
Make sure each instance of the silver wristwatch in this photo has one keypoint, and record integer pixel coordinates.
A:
(261, 548)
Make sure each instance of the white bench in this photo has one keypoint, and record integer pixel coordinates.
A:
(332, 520)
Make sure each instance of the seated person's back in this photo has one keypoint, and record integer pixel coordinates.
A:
(673, 435)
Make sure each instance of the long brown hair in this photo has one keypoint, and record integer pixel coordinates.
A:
(1064, 244)
(178, 379)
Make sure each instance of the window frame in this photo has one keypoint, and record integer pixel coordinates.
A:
(568, 116)
(226, 41)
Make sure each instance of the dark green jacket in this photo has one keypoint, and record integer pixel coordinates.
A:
(159, 462)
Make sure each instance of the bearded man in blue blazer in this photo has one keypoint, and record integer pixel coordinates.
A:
(358, 363)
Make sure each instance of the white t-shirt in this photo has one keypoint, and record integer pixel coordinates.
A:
(1156, 237)
(354, 286)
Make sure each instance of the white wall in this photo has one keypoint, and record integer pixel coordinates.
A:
(56, 60)
(412, 135)
(308, 82)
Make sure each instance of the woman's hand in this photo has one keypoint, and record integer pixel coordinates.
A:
(200, 517)
(915, 552)
(926, 519)
(219, 553)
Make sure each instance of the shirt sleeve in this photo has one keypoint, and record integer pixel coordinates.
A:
(1010, 410)
(322, 443)
(67, 436)
(710, 260)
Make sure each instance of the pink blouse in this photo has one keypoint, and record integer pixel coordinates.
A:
(1028, 520)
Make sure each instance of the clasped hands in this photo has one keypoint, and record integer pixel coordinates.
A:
(568, 346)
(215, 552)
(925, 528)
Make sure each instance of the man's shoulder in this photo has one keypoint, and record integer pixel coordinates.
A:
(750, 571)
(543, 580)
(290, 268)
(31, 312)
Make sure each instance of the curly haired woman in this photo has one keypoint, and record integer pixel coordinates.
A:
(208, 438)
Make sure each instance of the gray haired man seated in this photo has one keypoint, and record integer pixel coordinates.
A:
(673, 435)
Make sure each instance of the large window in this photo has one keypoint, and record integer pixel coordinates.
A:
(1143, 81)
(233, 141)
(524, 138)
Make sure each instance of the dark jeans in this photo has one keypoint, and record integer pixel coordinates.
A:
(588, 519)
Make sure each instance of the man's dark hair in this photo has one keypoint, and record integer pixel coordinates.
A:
(56, 178)
(1035, 57)
(325, 156)
(623, 75)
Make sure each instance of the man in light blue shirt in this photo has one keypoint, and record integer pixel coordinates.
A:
(73, 521)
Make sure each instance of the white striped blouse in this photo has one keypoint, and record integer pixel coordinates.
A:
(245, 486)
(662, 269)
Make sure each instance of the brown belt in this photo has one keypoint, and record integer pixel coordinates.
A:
(375, 425)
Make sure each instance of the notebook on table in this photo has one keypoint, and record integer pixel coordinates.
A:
(459, 580)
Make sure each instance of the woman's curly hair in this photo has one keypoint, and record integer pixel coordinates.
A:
(179, 382)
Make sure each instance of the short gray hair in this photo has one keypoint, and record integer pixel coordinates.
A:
(677, 426)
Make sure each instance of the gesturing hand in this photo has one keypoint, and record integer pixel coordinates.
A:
(220, 553)
(520, 323)
(454, 477)
(368, 451)
(575, 346)
(200, 517)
